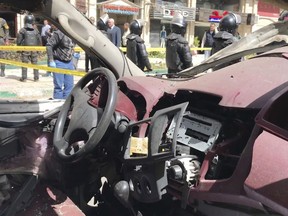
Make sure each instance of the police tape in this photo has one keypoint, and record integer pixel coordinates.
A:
(79, 49)
(57, 70)
(31, 48)
(41, 67)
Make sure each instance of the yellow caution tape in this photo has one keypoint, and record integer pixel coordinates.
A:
(41, 67)
(59, 70)
(31, 48)
(79, 49)
(159, 49)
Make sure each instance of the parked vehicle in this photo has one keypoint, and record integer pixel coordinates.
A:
(124, 143)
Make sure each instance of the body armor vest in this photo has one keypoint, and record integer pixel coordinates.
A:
(30, 37)
(172, 58)
(132, 49)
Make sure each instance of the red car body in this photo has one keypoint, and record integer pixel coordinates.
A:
(213, 144)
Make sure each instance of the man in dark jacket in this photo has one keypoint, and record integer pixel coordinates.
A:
(178, 55)
(208, 40)
(136, 49)
(29, 36)
(60, 50)
(114, 33)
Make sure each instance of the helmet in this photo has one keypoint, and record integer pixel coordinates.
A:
(283, 15)
(179, 20)
(136, 26)
(230, 23)
(178, 24)
(102, 22)
(29, 20)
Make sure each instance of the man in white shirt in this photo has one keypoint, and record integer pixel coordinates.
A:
(44, 29)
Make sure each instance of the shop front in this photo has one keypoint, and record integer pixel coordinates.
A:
(120, 10)
(212, 12)
(161, 15)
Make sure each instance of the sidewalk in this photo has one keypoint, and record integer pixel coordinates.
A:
(12, 88)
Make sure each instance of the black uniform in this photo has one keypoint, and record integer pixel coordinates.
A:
(178, 55)
(136, 51)
(221, 40)
(29, 36)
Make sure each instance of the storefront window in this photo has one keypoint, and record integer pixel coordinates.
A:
(178, 3)
(230, 5)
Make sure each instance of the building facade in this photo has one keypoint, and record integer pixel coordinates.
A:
(157, 13)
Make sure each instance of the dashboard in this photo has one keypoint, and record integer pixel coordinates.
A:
(196, 131)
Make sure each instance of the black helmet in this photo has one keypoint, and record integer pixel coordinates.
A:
(230, 23)
(283, 15)
(136, 27)
(178, 24)
(29, 20)
(102, 22)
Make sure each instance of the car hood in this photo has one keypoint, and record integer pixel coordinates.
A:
(74, 24)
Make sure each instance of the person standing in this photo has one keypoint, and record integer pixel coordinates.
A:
(88, 58)
(46, 27)
(4, 40)
(102, 24)
(163, 35)
(29, 36)
(60, 50)
(178, 55)
(136, 49)
(208, 40)
(126, 32)
(227, 35)
(92, 59)
(114, 33)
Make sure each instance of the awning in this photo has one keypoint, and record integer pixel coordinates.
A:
(124, 7)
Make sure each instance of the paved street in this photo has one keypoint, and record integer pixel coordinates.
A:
(12, 88)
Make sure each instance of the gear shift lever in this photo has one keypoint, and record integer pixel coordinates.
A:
(121, 192)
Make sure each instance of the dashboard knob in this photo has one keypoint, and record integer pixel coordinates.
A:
(176, 172)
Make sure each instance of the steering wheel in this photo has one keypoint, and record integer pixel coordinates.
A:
(88, 120)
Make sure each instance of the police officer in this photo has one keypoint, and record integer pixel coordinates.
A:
(4, 40)
(227, 34)
(136, 49)
(178, 55)
(29, 36)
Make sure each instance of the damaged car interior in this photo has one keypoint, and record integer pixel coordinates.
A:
(124, 143)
